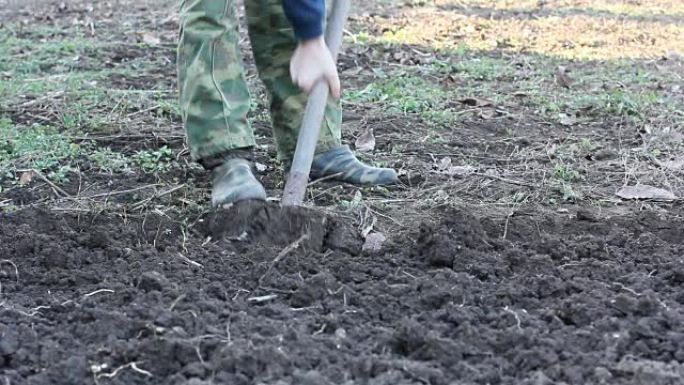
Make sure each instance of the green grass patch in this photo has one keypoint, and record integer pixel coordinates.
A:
(35, 147)
(408, 95)
(152, 161)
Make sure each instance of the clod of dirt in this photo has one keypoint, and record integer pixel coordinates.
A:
(54, 257)
(343, 237)
(267, 224)
(409, 337)
(271, 225)
(314, 289)
(97, 240)
(437, 249)
(311, 377)
(440, 247)
(538, 378)
(651, 372)
(151, 281)
(9, 344)
(196, 381)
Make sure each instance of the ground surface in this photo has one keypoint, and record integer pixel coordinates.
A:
(509, 258)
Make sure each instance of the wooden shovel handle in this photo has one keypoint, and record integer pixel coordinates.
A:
(295, 188)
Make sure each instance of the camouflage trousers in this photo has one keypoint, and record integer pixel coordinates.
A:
(214, 97)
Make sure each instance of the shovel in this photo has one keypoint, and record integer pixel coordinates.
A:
(289, 224)
(297, 181)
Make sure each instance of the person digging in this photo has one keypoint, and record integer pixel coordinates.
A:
(291, 56)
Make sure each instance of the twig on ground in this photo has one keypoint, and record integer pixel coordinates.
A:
(284, 252)
(517, 318)
(132, 114)
(157, 196)
(132, 365)
(120, 192)
(502, 179)
(46, 180)
(135, 367)
(508, 218)
(190, 261)
(176, 301)
(16, 270)
(263, 298)
(98, 292)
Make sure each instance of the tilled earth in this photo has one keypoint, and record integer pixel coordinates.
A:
(515, 264)
(565, 299)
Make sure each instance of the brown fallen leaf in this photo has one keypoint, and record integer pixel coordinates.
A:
(460, 170)
(487, 113)
(643, 191)
(449, 79)
(444, 164)
(374, 242)
(150, 39)
(562, 78)
(476, 102)
(25, 178)
(675, 164)
(567, 120)
(365, 142)
(446, 167)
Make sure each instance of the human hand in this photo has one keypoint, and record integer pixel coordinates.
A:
(311, 61)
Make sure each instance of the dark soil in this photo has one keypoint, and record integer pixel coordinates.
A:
(565, 298)
(140, 288)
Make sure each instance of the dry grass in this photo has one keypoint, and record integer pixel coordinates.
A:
(567, 31)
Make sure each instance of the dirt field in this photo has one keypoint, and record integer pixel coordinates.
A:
(537, 237)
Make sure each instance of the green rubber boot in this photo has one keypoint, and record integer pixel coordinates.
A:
(342, 162)
(233, 181)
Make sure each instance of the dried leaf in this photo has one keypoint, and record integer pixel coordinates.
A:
(674, 164)
(444, 164)
(460, 170)
(25, 178)
(374, 242)
(562, 78)
(365, 142)
(476, 102)
(567, 120)
(369, 228)
(643, 191)
(551, 150)
(445, 167)
(487, 113)
(260, 167)
(150, 39)
(449, 79)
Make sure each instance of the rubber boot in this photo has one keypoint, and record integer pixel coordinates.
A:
(342, 162)
(234, 181)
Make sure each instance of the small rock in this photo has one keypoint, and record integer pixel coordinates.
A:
(625, 304)
(374, 242)
(75, 370)
(9, 343)
(586, 215)
(151, 280)
(98, 240)
(312, 377)
(602, 374)
(197, 381)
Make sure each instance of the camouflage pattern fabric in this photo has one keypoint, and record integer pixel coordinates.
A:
(214, 97)
(341, 164)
